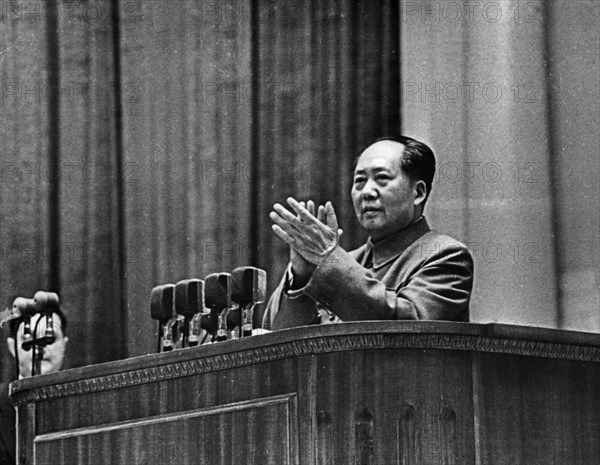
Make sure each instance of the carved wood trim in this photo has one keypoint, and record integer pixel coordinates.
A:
(319, 344)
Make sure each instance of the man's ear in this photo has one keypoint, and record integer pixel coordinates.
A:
(420, 193)
(10, 342)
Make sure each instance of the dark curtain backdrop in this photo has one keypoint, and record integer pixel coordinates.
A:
(163, 132)
(144, 142)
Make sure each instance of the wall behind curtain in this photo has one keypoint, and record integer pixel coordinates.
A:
(172, 129)
(508, 95)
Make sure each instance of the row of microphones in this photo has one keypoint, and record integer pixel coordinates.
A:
(218, 308)
(45, 304)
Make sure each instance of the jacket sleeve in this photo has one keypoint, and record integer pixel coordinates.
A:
(287, 311)
(437, 288)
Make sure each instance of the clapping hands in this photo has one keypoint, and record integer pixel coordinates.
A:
(311, 236)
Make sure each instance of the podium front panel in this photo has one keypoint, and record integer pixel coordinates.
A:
(407, 393)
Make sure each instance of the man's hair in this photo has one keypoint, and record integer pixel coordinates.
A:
(13, 325)
(418, 160)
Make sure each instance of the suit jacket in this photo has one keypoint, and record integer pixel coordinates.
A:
(416, 274)
(7, 428)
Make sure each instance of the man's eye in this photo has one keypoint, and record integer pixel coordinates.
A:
(382, 177)
(359, 181)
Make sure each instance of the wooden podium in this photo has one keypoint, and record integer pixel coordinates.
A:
(407, 393)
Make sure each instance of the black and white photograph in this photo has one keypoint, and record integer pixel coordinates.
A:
(300, 232)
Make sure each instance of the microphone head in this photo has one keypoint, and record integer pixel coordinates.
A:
(46, 301)
(249, 285)
(24, 306)
(162, 302)
(189, 297)
(217, 290)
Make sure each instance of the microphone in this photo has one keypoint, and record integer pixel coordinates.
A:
(189, 302)
(26, 307)
(162, 308)
(217, 287)
(43, 303)
(47, 302)
(249, 289)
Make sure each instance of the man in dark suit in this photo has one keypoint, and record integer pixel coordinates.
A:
(52, 360)
(405, 271)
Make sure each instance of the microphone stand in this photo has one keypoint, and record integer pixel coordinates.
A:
(222, 325)
(247, 314)
(167, 339)
(196, 330)
(38, 343)
(36, 356)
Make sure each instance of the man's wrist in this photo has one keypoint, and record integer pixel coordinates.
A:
(297, 279)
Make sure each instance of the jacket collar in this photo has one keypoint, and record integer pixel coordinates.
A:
(394, 245)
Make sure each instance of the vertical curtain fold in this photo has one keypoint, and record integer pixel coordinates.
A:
(188, 138)
(510, 211)
(26, 177)
(328, 81)
(572, 41)
(87, 159)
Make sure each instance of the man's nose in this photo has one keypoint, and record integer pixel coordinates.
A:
(369, 190)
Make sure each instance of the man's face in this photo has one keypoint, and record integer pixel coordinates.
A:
(385, 199)
(52, 355)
